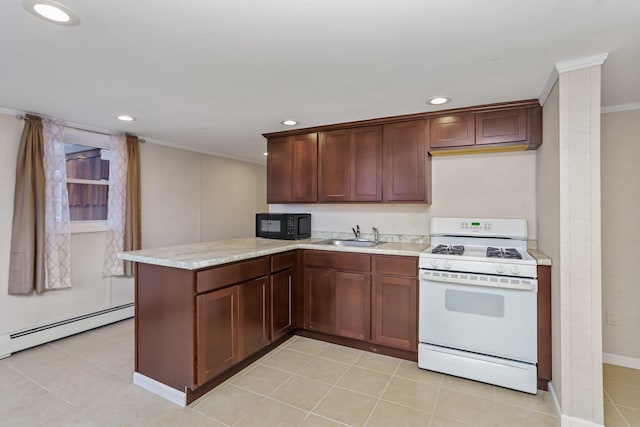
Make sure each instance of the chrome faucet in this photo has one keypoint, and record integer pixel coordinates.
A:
(356, 231)
(376, 234)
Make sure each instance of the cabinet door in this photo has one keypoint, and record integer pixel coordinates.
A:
(304, 168)
(320, 300)
(395, 317)
(282, 303)
(253, 326)
(366, 164)
(353, 305)
(279, 170)
(404, 161)
(217, 331)
(452, 131)
(334, 169)
(501, 126)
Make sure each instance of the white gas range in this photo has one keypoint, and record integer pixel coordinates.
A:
(478, 302)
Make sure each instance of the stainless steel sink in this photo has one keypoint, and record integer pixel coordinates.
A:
(358, 243)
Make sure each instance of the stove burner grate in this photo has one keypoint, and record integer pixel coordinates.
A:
(448, 250)
(509, 253)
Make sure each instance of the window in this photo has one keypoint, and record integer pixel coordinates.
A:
(87, 164)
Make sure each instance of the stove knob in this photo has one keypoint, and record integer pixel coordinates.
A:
(515, 269)
(500, 268)
(434, 263)
(448, 264)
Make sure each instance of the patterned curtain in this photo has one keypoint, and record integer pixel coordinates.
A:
(116, 209)
(57, 229)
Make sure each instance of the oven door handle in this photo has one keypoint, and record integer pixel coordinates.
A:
(484, 280)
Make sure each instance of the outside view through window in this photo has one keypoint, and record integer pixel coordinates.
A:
(87, 182)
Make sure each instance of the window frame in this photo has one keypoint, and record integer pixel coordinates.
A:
(95, 140)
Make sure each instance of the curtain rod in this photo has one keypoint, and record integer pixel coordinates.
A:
(21, 117)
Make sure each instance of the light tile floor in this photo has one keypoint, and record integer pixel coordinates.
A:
(621, 396)
(85, 380)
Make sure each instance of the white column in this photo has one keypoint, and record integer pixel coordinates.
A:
(580, 247)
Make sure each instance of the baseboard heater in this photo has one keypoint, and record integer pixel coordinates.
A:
(22, 340)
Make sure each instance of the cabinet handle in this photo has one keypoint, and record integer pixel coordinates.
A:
(290, 315)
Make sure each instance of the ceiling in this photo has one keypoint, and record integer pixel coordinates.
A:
(213, 75)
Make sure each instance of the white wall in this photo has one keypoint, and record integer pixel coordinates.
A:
(620, 233)
(228, 198)
(185, 198)
(170, 195)
(493, 185)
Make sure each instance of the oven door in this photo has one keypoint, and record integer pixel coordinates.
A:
(479, 313)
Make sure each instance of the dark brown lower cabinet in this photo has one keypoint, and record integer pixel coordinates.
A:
(338, 303)
(217, 332)
(253, 324)
(353, 305)
(544, 326)
(282, 303)
(395, 312)
(320, 300)
(232, 324)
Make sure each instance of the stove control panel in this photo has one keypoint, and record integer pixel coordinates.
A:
(475, 226)
(479, 227)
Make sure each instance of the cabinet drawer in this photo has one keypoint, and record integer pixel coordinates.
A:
(217, 277)
(283, 261)
(396, 265)
(338, 260)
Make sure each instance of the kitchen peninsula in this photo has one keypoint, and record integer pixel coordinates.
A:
(204, 311)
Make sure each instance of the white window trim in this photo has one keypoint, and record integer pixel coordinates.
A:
(90, 139)
(88, 226)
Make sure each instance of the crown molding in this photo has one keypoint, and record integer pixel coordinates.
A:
(580, 63)
(621, 107)
(548, 87)
(11, 112)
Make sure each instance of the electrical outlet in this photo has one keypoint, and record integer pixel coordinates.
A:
(612, 318)
(413, 221)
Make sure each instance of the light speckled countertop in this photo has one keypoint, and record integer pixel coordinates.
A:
(540, 257)
(207, 254)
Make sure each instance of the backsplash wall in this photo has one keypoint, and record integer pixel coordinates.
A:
(500, 185)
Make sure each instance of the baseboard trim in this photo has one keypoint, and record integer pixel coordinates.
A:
(567, 421)
(162, 390)
(554, 398)
(21, 340)
(625, 361)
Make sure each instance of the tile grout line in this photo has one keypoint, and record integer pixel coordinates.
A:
(615, 405)
(382, 393)
(435, 401)
(332, 386)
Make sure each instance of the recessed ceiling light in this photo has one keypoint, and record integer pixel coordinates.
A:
(126, 118)
(437, 100)
(289, 122)
(265, 154)
(51, 11)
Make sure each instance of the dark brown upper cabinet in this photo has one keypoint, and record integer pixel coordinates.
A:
(501, 126)
(388, 159)
(292, 169)
(405, 164)
(453, 130)
(350, 165)
(498, 130)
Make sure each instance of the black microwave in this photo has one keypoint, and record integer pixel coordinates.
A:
(288, 226)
